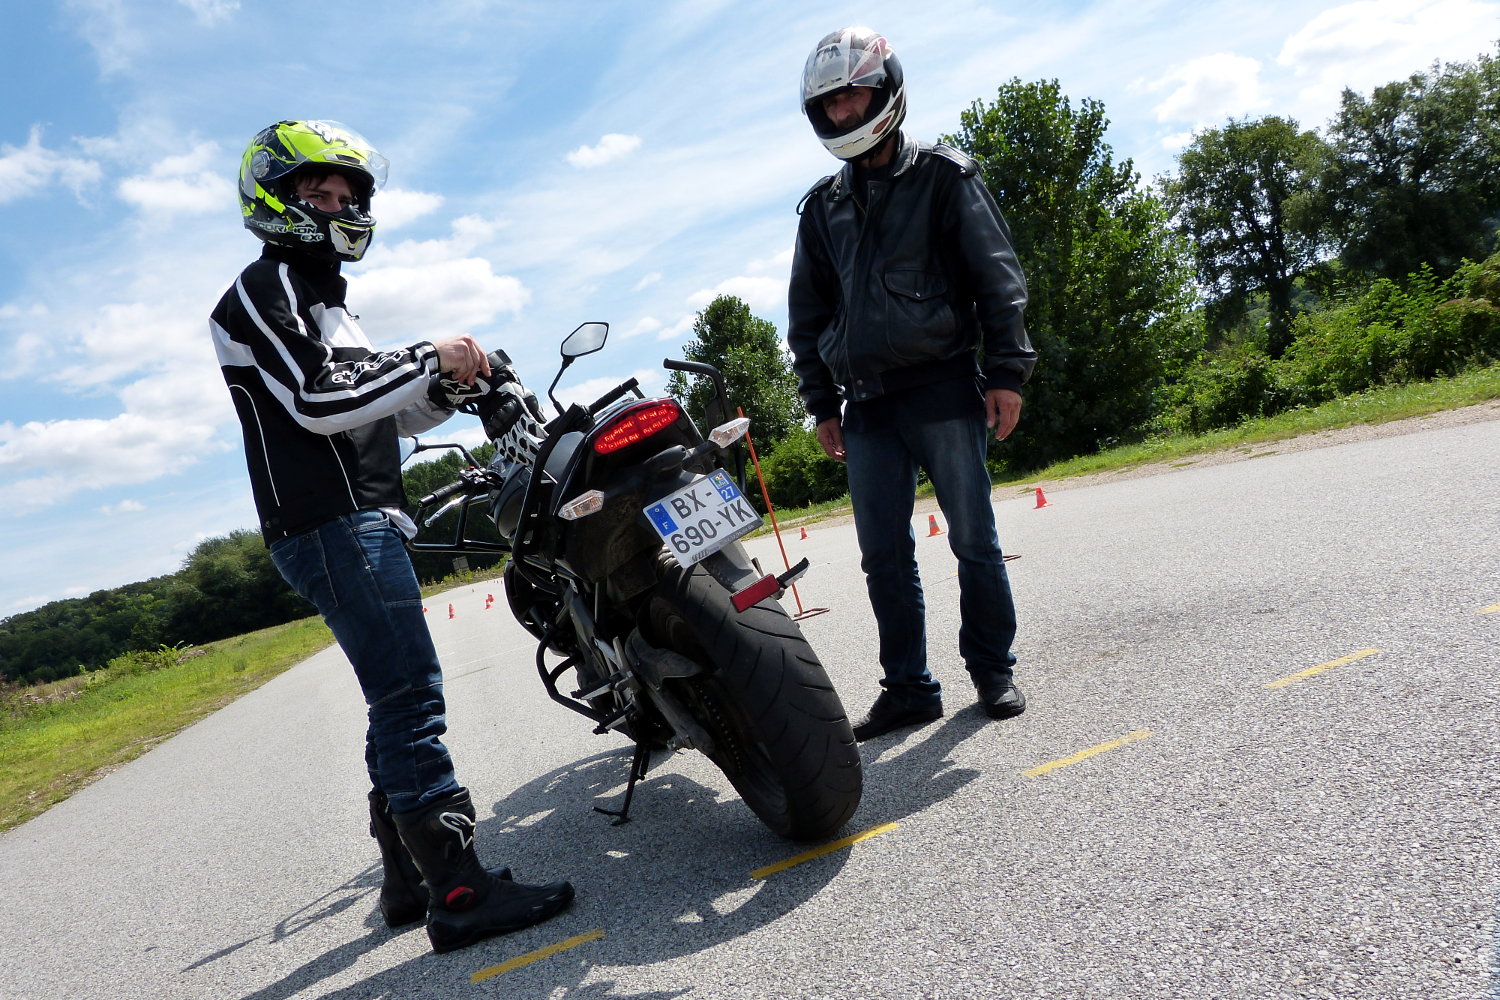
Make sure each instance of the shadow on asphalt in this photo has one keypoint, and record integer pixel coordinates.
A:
(670, 883)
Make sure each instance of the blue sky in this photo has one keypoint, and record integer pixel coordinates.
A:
(551, 162)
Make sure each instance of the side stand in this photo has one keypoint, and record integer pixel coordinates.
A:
(638, 765)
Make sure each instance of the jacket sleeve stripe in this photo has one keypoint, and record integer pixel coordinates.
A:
(323, 395)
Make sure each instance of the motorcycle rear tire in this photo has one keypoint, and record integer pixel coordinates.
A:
(781, 734)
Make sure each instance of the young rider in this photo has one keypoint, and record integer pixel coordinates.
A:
(321, 411)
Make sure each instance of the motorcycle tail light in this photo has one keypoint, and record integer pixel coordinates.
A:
(582, 505)
(637, 424)
(725, 435)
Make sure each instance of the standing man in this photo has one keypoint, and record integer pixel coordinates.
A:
(906, 301)
(321, 411)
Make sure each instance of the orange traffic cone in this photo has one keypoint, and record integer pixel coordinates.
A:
(804, 534)
(450, 611)
(932, 526)
(1041, 499)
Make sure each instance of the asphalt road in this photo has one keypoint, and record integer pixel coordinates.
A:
(1259, 762)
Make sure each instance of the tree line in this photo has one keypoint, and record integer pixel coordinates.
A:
(1277, 267)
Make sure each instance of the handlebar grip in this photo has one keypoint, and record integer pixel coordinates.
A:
(696, 367)
(443, 493)
(612, 395)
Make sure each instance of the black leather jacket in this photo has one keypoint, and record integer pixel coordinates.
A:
(906, 289)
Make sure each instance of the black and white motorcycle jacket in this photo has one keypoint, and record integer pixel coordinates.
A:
(320, 409)
(904, 281)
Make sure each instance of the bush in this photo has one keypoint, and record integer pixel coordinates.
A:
(798, 473)
(1388, 335)
(1227, 387)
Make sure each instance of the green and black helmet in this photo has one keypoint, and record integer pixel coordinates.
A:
(268, 196)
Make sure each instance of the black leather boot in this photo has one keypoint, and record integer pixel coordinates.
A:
(403, 898)
(466, 903)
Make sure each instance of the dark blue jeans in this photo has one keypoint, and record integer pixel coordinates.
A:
(357, 573)
(883, 466)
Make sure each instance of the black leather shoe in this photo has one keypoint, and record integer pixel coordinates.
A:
(886, 714)
(1000, 699)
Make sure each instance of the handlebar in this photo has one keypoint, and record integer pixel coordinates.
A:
(698, 368)
(609, 397)
(443, 493)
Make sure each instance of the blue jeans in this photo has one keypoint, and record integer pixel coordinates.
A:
(882, 466)
(355, 570)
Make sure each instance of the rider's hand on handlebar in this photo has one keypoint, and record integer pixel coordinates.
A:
(461, 359)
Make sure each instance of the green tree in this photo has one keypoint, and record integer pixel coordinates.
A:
(757, 372)
(1246, 199)
(1415, 177)
(1111, 293)
(422, 478)
(229, 586)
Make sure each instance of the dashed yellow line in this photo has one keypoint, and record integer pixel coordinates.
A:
(1313, 671)
(818, 852)
(1492, 609)
(534, 956)
(1037, 772)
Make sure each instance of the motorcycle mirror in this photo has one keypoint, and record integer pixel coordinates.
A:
(409, 447)
(587, 339)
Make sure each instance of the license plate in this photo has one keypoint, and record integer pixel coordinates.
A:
(702, 517)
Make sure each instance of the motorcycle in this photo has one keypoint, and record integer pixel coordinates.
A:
(621, 523)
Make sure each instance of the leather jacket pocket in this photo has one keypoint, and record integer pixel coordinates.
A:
(920, 324)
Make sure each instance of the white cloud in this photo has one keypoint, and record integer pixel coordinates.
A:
(1369, 43)
(188, 184)
(209, 12)
(760, 294)
(396, 207)
(781, 263)
(106, 26)
(1176, 142)
(123, 507)
(677, 329)
(647, 281)
(651, 382)
(610, 147)
(406, 303)
(74, 455)
(29, 168)
(119, 338)
(646, 324)
(1210, 88)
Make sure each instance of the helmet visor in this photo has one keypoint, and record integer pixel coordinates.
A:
(283, 148)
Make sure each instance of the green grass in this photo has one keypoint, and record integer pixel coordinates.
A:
(56, 738)
(59, 737)
(1374, 406)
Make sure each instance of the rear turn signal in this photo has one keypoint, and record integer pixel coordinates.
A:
(725, 435)
(582, 505)
(637, 424)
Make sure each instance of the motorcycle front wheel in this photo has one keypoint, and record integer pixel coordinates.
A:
(780, 733)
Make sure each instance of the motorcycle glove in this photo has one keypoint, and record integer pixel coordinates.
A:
(451, 394)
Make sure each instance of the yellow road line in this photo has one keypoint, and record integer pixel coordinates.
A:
(534, 956)
(818, 852)
(1492, 609)
(1037, 772)
(1311, 671)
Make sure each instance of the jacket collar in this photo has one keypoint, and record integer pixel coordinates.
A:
(906, 155)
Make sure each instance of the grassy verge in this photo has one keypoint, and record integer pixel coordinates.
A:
(57, 738)
(1374, 406)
